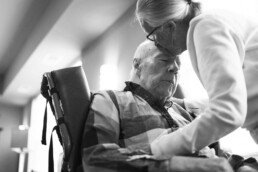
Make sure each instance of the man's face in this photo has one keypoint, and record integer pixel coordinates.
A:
(159, 74)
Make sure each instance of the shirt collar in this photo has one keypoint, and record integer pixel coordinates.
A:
(140, 91)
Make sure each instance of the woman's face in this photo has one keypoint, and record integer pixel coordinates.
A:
(169, 35)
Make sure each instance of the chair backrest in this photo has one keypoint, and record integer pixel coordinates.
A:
(70, 98)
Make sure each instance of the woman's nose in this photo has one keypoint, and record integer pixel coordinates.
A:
(173, 67)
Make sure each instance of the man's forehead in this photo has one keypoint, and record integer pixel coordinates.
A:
(155, 50)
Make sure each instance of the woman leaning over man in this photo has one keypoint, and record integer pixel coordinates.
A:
(223, 49)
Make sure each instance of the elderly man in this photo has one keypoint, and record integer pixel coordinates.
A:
(122, 124)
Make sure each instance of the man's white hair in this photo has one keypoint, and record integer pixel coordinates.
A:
(144, 50)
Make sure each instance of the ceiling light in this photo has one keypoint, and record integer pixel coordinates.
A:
(23, 127)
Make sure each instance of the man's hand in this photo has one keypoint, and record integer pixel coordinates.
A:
(208, 152)
(178, 101)
(194, 164)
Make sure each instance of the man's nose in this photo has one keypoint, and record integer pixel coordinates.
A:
(173, 67)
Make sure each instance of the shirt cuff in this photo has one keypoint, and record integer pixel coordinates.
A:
(170, 145)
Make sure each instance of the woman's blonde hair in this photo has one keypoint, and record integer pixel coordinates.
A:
(157, 12)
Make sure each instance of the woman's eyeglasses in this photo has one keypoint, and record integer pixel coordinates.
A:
(152, 37)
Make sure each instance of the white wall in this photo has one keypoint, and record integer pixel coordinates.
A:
(38, 153)
(245, 7)
(10, 117)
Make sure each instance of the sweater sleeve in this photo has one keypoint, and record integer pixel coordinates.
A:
(196, 106)
(214, 50)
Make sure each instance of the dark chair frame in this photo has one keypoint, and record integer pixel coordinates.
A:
(70, 98)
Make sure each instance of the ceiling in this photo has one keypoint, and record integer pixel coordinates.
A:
(43, 35)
